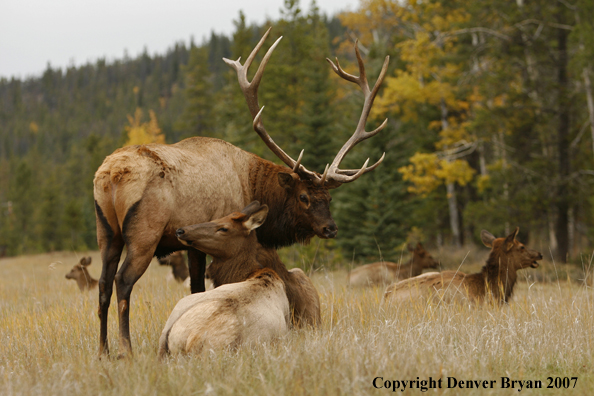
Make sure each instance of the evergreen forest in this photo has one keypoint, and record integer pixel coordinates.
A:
(490, 123)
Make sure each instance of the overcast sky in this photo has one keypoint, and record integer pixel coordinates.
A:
(66, 32)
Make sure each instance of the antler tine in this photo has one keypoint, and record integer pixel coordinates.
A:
(345, 176)
(298, 163)
(250, 92)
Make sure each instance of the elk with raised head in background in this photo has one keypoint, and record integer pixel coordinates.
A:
(384, 273)
(82, 277)
(237, 254)
(496, 280)
(143, 194)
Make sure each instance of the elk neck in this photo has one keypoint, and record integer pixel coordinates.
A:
(281, 227)
(500, 275)
(237, 268)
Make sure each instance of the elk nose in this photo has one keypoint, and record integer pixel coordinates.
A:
(179, 232)
(330, 231)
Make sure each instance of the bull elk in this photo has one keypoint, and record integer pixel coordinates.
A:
(143, 194)
(82, 277)
(496, 280)
(385, 273)
(237, 254)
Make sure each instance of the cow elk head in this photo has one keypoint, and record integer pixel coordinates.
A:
(511, 251)
(228, 236)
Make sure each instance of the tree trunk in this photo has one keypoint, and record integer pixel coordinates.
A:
(588, 88)
(563, 141)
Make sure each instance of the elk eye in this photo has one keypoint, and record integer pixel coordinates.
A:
(303, 198)
(222, 229)
(522, 247)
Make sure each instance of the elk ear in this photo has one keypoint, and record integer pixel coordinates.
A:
(286, 180)
(85, 261)
(256, 219)
(251, 208)
(509, 241)
(419, 246)
(487, 238)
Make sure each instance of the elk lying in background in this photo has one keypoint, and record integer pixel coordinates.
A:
(252, 311)
(144, 193)
(384, 273)
(237, 254)
(495, 281)
(82, 277)
(178, 265)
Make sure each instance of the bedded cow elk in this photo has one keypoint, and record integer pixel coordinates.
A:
(82, 277)
(253, 311)
(384, 273)
(496, 280)
(237, 254)
(144, 193)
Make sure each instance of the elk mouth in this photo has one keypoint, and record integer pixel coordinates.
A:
(327, 232)
(534, 264)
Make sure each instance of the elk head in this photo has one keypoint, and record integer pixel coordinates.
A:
(309, 189)
(422, 257)
(228, 236)
(79, 270)
(511, 251)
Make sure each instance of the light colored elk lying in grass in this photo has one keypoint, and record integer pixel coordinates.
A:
(252, 311)
(82, 277)
(237, 254)
(384, 273)
(496, 280)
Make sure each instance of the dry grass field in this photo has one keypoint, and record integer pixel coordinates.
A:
(49, 339)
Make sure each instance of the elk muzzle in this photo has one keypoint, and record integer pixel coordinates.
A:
(328, 231)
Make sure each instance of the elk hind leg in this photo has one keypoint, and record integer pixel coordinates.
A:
(111, 245)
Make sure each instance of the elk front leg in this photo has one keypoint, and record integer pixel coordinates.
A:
(197, 268)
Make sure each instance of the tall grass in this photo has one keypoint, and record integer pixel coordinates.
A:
(49, 340)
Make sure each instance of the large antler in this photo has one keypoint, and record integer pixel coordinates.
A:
(250, 91)
(348, 175)
(332, 174)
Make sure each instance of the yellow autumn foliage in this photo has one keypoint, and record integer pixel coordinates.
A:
(143, 132)
(427, 171)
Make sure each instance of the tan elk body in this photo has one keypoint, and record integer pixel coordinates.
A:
(384, 273)
(236, 256)
(495, 282)
(252, 311)
(82, 277)
(144, 193)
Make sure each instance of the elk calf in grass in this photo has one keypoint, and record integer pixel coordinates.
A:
(385, 273)
(496, 280)
(82, 277)
(237, 254)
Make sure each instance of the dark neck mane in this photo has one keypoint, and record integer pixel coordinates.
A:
(280, 228)
(499, 276)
